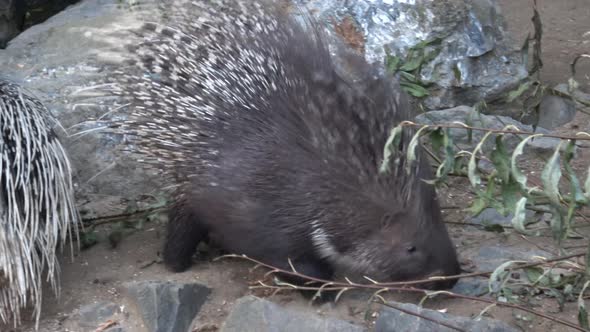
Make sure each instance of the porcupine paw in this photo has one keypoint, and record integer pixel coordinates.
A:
(315, 268)
(184, 233)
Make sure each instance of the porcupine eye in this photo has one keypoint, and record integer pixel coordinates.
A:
(411, 249)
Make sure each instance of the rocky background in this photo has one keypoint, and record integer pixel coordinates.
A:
(119, 285)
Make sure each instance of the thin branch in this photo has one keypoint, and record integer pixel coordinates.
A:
(402, 286)
(95, 221)
(496, 131)
(409, 312)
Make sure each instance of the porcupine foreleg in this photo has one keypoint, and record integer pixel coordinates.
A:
(184, 233)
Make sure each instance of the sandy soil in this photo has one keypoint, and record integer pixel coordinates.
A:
(98, 274)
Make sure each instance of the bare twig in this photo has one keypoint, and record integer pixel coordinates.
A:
(585, 137)
(403, 286)
(116, 217)
(420, 316)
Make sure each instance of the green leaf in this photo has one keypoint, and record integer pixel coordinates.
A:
(556, 223)
(437, 139)
(500, 275)
(577, 194)
(551, 175)
(472, 166)
(537, 275)
(459, 164)
(412, 64)
(582, 313)
(588, 262)
(512, 95)
(448, 163)
(414, 89)
(456, 72)
(567, 225)
(478, 205)
(587, 184)
(479, 107)
(501, 159)
(520, 217)
(392, 63)
(510, 191)
(408, 77)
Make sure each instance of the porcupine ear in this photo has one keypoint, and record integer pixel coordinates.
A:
(390, 218)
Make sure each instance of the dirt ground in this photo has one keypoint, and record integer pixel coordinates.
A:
(566, 33)
(98, 274)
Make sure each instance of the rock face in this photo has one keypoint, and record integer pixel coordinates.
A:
(60, 61)
(490, 257)
(555, 111)
(491, 216)
(167, 306)
(474, 61)
(252, 314)
(391, 320)
(12, 18)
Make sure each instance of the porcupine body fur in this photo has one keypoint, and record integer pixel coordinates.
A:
(275, 155)
(37, 207)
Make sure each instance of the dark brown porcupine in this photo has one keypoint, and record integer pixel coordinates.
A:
(275, 155)
(37, 205)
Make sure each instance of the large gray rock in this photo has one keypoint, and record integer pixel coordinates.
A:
(392, 320)
(167, 306)
(474, 62)
(471, 287)
(491, 216)
(60, 61)
(253, 314)
(555, 111)
(12, 18)
(490, 257)
(582, 99)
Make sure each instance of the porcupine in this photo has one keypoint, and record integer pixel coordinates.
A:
(275, 155)
(37, 207)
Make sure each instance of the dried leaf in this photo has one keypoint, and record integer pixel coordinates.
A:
(391, 147)
(551, 175)
(474, 178)
(412, 148)
(516, 174)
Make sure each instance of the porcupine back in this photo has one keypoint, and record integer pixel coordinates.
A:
(273, 149)
(37, 206)
(213, 72)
